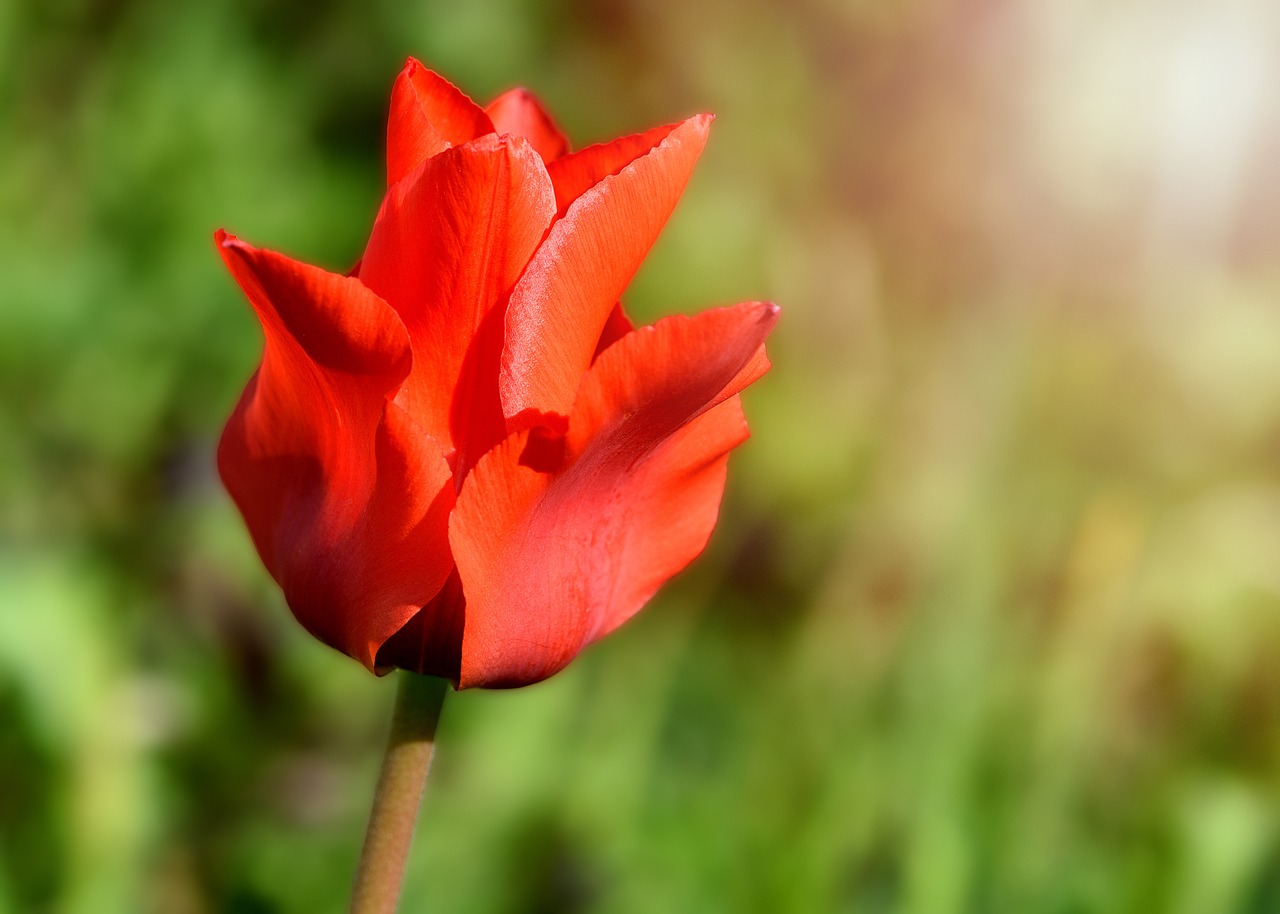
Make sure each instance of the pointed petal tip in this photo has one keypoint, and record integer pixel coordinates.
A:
(702, 122)
(229, 245)
(765, 313)
(770, 314)
(488, 143)
(227, 242)
(696, 127)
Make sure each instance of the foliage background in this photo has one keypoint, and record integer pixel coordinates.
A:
(992, 620)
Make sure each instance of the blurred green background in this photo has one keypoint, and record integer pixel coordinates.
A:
(992, 619)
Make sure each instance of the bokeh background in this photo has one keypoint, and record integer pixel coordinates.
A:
(992, 619)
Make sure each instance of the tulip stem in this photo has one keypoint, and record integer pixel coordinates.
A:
(398, 797)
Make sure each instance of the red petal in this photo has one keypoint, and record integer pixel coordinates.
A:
(574, 174)
(676, 499)
(657, 378)
(616, 327)
(562, 302)
(346, 499)
(446, 249)
(431, 642)
(517, 111)
(549, 561)
(428, 115)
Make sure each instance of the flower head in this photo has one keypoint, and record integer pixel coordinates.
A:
(462, 459)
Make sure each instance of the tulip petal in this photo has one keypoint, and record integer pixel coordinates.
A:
(445, 251)
(577, 173)
(562, 302)
(678, 492)
(431, 642)
(518, 111)
(656, 379)
(616, 327)
(551, 560)
(345, 497)
(428, 115)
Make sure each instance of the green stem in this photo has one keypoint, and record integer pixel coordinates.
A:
(399, 794)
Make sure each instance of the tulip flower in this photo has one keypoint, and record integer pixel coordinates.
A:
(462, 459)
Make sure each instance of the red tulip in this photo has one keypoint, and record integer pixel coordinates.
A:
(462, 459)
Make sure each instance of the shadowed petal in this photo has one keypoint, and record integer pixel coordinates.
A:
(346, 499)
(562, 302)
(519, 112)
(446, 249)
(431, 642)
(428, 115)
(616, 327)
(551, 557)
